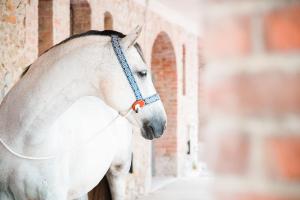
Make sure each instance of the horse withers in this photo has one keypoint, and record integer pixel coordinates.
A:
(66, 123)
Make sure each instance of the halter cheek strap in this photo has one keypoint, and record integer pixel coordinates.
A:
(140, 101)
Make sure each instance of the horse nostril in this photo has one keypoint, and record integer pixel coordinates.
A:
(158, 129)
(149, 129)
(152, 131)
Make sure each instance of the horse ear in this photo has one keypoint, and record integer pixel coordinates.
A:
(131, 38)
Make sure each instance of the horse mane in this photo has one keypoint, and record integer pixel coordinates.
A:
(91, 33)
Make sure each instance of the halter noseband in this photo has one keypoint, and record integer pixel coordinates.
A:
(140, 101)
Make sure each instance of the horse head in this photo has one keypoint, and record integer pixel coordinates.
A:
(118, 92)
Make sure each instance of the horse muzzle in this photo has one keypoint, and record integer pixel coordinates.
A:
(153, 128)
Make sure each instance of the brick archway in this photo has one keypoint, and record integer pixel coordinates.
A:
(80, 16)
(45, 25)
(163, 62)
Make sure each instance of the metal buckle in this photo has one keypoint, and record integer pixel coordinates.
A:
(137, 105)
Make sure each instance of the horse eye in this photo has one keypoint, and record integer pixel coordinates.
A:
(142, 73)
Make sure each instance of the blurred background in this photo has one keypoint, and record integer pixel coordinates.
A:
(228, 73)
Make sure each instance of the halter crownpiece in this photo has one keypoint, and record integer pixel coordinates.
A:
(140, 101)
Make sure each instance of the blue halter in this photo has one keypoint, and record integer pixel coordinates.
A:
(140, 101)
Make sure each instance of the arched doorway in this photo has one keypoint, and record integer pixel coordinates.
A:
(163, 62)
(80, 16)
(45, 25)
(108, 21)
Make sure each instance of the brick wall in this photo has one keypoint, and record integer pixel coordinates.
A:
(15, 53)
(251, 89)
(61, 20)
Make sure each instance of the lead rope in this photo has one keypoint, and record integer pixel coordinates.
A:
(19, 155)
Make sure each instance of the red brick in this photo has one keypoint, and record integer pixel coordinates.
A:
(10, 5)
(266, 93)
(227, 37)
(283, 157)
(228, 153)
(282, 29)
(12, 19)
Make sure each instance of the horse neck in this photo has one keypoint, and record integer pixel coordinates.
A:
(52, 85)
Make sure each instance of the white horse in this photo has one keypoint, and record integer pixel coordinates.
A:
(65, 124)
